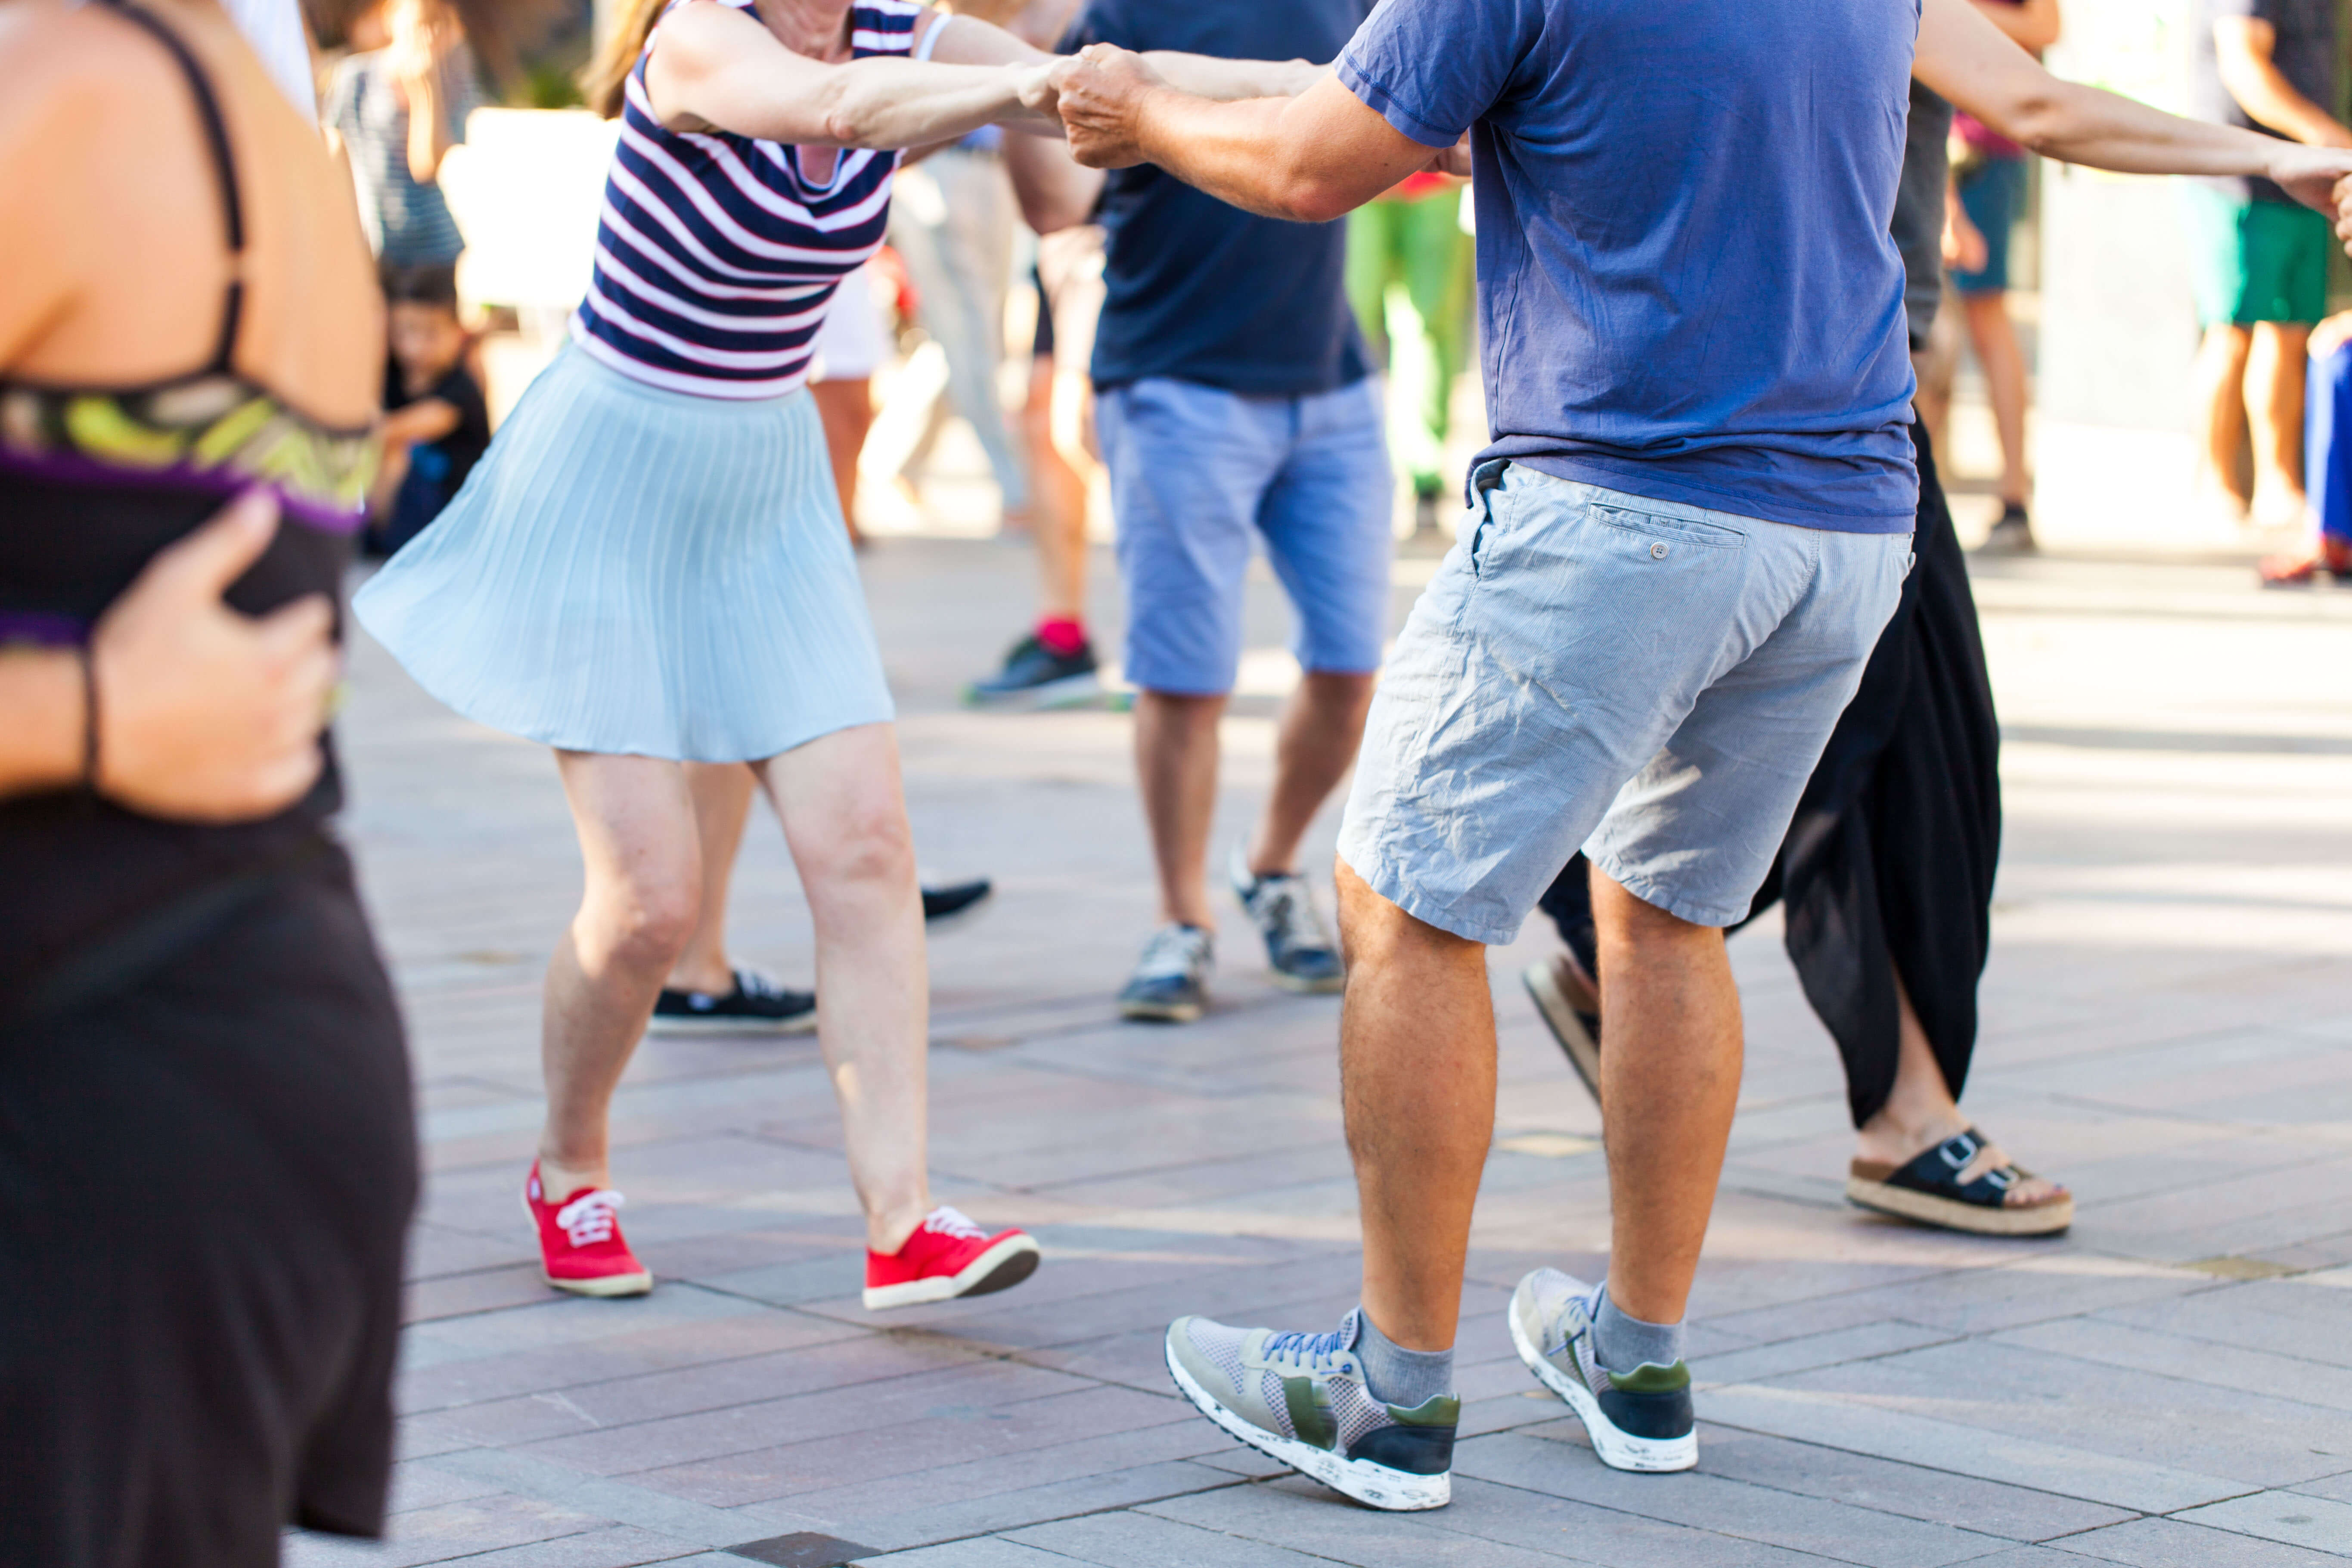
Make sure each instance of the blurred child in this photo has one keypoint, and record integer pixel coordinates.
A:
(435, 423)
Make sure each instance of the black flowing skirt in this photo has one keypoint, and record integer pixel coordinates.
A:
(1888, 865)
(206, 1170)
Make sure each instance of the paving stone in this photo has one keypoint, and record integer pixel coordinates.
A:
(619, 1547)
(2338, 1488)
(2196, 1360)
(2294, 1518)
(970, 1554)
(2170, 1543)
(2016, 1513)
(1278, 1517)
(1705, 1501)
(1131, 1540)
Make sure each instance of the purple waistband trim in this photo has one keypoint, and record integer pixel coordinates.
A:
(42, 629)
(71, 468)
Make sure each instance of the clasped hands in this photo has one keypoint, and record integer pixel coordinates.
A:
(1101, 94)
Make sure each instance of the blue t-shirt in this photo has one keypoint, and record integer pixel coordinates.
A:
(1207, 293)
(1686, 286)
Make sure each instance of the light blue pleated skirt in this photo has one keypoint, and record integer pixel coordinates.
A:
(638, 571)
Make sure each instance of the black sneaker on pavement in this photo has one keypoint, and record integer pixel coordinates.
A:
(1296, 944)
(2013, 535)
(757, 1005)
(1171, 982)
(1034, 676)
(953, 903)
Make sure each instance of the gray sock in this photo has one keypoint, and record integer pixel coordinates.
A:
(1398, 1376)
(1625, 1343)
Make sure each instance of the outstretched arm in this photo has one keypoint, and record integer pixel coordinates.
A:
(1309, 158)
(1967, 60)
(716, 67)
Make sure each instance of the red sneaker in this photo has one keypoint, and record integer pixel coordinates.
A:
(947, 1257)
(580, 1243)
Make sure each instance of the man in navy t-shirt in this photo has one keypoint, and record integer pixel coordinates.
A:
(1691, 524)
(1234, 405)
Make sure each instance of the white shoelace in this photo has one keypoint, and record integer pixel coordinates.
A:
(1287, 914)
(589, 1218)
(759, 986)
(946, 1220)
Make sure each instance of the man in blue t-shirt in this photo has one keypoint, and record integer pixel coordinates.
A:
(1693, 521)
(1689, 528)
(1234, 405)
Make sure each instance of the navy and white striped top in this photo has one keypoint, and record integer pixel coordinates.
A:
(715, 257)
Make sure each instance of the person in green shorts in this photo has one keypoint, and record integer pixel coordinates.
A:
(1408, 275)
(2258, 259)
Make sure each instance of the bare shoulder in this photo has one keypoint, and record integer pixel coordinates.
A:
(67, 65)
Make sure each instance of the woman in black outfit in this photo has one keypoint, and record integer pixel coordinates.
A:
(206, 1161)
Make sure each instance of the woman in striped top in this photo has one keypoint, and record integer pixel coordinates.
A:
(649, 569)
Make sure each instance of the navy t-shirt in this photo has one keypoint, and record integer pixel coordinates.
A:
(1203, 291)
(1686, 286)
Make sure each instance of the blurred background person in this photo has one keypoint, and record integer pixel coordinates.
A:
(1055, 663)
(396, 108)
(1410, 266)
(1989, 185)
(2259, 258)
(850, 347)
(192, 1012)
(436, 425)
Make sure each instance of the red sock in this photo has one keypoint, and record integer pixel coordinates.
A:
(1062, 634)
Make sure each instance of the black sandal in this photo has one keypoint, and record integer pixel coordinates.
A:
(1928, 1191)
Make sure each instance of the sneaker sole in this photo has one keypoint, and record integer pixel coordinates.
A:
(956, 919)
(638, 1284)
(661, 1024)
(1070, 691)
(1161, 1012)
(1375, 1485)
(1001, 1268)
(1576, 1042)
(1619, 1451)
(1950, 1214)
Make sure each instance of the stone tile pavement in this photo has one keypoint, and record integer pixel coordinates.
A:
(2168, 1029)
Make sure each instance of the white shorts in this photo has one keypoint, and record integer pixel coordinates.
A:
(850, 345)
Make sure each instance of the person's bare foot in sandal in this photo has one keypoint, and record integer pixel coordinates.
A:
(1919, 1159)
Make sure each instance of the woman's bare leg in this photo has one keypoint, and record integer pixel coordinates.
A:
(722, 803)
(635, 820)
(1920, 1112)
(844, 817)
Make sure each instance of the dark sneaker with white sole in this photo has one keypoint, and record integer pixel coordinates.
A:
(1034, 676)
(1302, 1399)
(1638, 1420)
(1299, 949)
(953, 903)
(757, 1005)
(1171, 982)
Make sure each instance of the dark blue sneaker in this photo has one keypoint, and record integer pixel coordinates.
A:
(1034, 676)
(757, 1005)
(1171, 982)
(1297, 947)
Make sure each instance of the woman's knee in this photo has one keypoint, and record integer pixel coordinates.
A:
(863, 843)
(648, 914)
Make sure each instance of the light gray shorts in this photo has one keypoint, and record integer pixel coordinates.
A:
(1649, 681)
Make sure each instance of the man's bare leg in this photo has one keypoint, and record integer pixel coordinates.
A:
(1176, 764)
(2275, 382)
(1322, 725)
(1670, 1079)
(1417, 1083)
(2221, 376)
(722, 805)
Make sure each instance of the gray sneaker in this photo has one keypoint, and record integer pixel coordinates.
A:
(1171, 982)
(1638, 1420)
(1298, 946)
(1301, 1398)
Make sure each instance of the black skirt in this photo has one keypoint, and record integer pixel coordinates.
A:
(1888, 866)
(206, 1172)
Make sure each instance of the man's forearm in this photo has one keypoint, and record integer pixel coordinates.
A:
(2269, 100)
(2101, 130)
(1235, 151)
(1226, 82)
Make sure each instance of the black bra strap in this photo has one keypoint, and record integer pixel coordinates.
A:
(224, 162)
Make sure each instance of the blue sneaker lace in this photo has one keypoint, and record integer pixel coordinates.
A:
(1302, 1346)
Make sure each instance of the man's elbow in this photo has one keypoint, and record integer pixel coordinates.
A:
(2040, 119)
(1315, 196)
